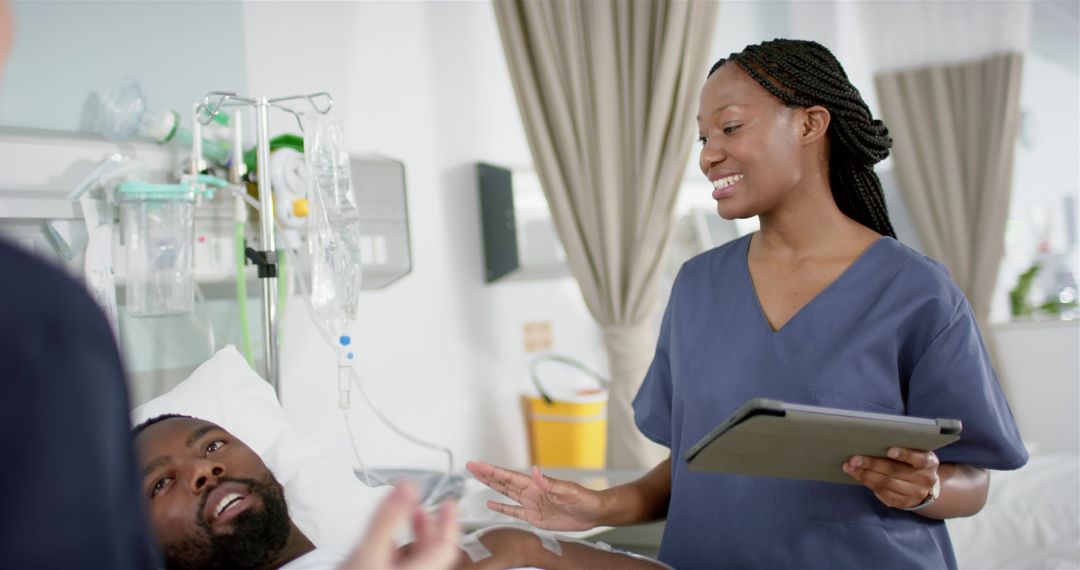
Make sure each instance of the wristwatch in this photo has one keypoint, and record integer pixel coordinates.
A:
(932, 496)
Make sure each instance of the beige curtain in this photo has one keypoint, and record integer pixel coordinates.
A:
(954, 129)
(607, 92)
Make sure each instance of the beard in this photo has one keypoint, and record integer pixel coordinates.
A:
(257, 535)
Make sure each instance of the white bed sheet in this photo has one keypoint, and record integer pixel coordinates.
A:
(1031, 518)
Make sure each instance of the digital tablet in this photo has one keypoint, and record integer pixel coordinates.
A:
(778, 439)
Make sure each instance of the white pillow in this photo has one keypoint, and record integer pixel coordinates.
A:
(326, 500)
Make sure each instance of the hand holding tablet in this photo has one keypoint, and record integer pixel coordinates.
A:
(778, 439)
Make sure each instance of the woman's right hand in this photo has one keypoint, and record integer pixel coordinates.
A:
(546, 503)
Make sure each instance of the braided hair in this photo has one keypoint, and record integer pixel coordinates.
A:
(803, 73)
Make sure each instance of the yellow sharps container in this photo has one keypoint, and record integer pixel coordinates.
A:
(567, 429)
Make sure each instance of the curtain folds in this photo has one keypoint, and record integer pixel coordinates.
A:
(607, 92)
(954, 129)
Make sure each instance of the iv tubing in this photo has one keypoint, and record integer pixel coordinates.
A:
(355, 378)
(236, 177)
(429, 500)
(282, 286)
(241, 291)
(356, 450)
(196, 142)
(211, 338)
(282, 281)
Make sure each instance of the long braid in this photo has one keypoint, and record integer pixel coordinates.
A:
(803, 73)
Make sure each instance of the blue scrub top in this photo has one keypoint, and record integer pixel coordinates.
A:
(892, 334)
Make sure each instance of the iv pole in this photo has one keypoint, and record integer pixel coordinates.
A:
(266, 257)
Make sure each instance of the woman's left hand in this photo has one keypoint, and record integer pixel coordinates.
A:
(902, 480)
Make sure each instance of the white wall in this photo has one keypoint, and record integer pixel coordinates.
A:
(1040, 370)
(65, 51)
(440, 351)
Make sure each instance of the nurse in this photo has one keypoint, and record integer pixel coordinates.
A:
(820, 306)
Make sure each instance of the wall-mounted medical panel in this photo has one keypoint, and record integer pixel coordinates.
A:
(519, 237)
(39, 168)
(385, 251)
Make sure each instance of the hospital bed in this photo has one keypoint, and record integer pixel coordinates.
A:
(643, 539)
(1031, 520)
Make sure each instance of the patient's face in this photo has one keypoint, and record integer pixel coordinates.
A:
(212, 501)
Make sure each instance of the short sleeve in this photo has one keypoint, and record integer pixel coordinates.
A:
(955, 379)
(652, 405)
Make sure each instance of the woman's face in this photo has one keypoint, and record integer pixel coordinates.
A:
(751, 147)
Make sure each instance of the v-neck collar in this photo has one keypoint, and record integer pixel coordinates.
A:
(804, 327)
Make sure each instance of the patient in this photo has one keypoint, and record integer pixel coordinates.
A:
(214, 504)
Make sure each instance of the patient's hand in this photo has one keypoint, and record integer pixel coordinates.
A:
(436, 541)
(546, 503)
(902, 480)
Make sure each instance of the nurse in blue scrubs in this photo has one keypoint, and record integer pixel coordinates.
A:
(821, 306)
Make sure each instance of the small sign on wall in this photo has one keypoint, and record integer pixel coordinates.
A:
(537, 336)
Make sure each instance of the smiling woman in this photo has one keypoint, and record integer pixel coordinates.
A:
(800, 81)
(820, 306)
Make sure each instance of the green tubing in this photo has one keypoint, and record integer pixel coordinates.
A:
(241, 293)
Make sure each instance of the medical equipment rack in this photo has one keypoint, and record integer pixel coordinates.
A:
(266, 257)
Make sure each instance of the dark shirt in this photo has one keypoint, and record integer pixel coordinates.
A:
(69, 492)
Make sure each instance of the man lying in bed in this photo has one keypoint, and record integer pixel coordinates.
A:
(214, 503)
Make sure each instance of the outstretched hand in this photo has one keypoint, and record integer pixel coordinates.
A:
(436, 541)
(902, 480)
(543, 502)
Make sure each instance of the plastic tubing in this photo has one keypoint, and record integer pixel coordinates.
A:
(196, 142)
(355, 377)
(430, 499)
(356, 451)
(282, 283)
(241, 292)
(210, 336)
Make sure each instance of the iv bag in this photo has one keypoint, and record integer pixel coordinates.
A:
(333, 228)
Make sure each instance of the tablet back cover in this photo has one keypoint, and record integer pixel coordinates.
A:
(809, 446)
